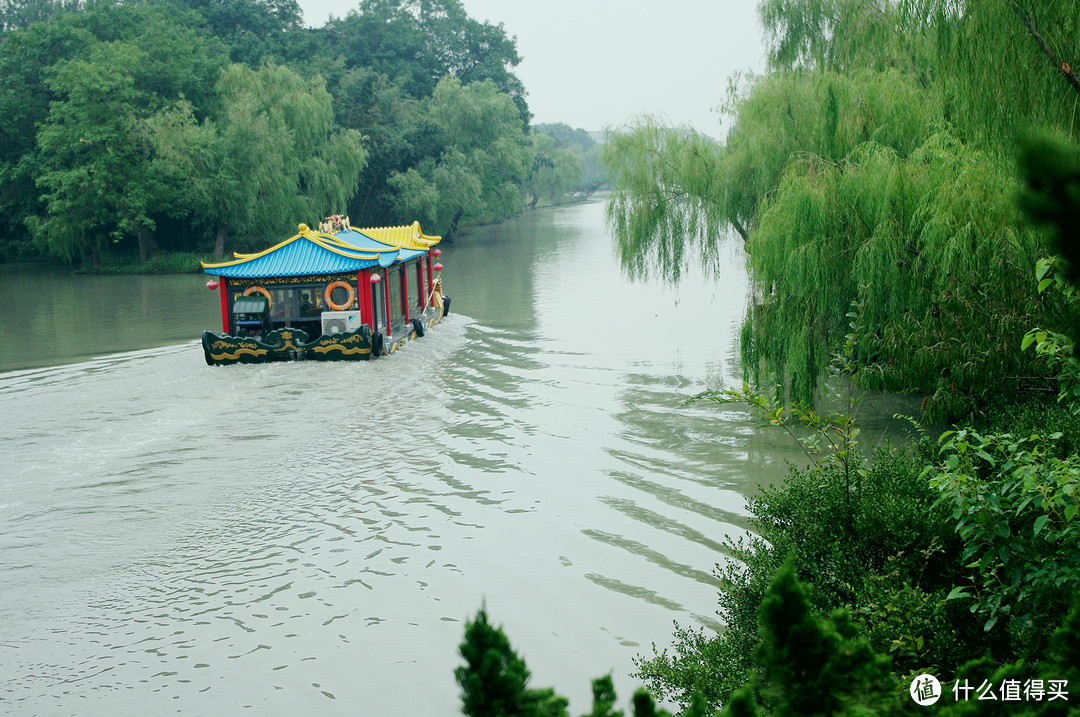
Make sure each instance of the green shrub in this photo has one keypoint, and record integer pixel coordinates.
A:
(1014, 503)
(805, 665)
(896, 529)
(1040, 414)
(494, 680)
(809, 665)
(919, 628)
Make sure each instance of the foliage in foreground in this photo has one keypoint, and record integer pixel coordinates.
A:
(811, 665)
(494, 682)
(804, 664)
(877, 546)
(1015, 506)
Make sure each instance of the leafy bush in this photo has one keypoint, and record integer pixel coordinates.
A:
(805, 665)
(917, 626)
(1039, 414)
(1015, 505)
(893, 564)
(810, 665)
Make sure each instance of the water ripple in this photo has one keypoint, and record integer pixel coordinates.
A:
(287, 537)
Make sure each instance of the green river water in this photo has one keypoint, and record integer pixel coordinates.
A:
(309, 538)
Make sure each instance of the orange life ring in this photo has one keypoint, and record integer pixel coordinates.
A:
(328, 292)
(252, 289)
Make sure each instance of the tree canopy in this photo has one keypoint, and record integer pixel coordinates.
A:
(130, 127)
(874, 162)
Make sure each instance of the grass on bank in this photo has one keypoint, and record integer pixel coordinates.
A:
(173, 263)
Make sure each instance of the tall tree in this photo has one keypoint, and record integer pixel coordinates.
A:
(267, 155)
(479, 175)
(254, 30)
(585, 148)
(419, 42)
(20, 14)
(555, 172)
(400, 135)
(840, 172)
(24, 104)
(96, 170)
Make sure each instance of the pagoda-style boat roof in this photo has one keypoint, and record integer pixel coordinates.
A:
(406, 237)
(310, 253)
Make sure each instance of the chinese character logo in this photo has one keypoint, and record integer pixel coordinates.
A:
(925, 690)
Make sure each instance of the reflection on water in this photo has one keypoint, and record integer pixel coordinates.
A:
(52, 316)
(310, 537)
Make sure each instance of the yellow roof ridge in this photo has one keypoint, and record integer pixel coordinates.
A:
(326, 241)
(406, 236)
(240, 258)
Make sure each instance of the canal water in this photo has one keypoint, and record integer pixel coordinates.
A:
(310, 538)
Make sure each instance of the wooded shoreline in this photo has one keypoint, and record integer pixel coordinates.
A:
(134, 130)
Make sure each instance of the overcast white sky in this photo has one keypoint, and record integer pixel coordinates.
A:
(591, 63)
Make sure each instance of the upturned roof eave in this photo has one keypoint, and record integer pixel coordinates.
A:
(408, 243)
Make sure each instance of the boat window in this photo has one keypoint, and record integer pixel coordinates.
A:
(397, 306)
(416, 286)
(283, 304)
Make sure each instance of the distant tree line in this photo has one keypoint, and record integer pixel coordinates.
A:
(128, 129)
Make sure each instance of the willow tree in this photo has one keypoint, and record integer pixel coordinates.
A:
(1010, 67)
(94, 165)
(669, 198)
(933, 249)
(674, 183)
(486, 157)
(267, 158)
(555, 171)
(862, 169)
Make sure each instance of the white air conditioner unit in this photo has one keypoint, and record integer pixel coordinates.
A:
(340, 322)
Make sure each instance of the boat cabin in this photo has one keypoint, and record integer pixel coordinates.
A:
(382, 282)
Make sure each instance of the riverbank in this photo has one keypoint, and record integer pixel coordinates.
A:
(174, 263)
(955, 557)
(165, 263)
(190, 262)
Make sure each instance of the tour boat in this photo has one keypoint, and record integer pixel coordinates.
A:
(336, 294)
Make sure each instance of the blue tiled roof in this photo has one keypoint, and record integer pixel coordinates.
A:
(362, 241)
(309, 253)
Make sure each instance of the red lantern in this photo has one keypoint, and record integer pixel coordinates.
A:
(437, 267)
(376, 278)
(436, 253)
(212, 285)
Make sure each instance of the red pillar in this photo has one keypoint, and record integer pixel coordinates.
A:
(430, 279)
(386, 301)
(223, 287)
(363, 286)
(403, 277)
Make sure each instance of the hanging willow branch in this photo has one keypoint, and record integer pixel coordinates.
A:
(1065, 67)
